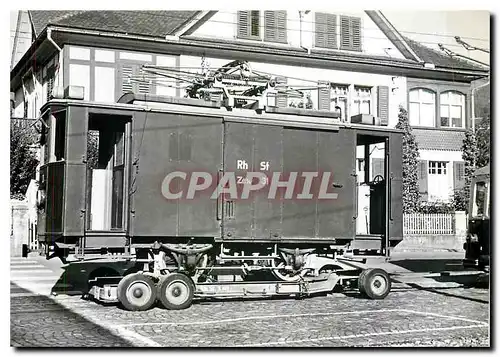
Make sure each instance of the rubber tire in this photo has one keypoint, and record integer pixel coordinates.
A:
(125, 283)
(361, 282)
(168, 280)
(367, 280)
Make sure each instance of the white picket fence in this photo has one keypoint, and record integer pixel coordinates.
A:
(422, 224)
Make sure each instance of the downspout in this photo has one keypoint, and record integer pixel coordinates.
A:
(49, 37)
(472, 102)
(301, 15)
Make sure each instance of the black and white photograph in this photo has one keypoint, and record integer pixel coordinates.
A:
(250, 178)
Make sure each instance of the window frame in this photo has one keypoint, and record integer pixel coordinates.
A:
(262, 27)
(448, 94)
(355, 97)
(346, 96)
(439, 167)
(421, 102)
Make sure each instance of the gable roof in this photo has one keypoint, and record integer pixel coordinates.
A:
(145, 23)
(440, 59)
(416, 51)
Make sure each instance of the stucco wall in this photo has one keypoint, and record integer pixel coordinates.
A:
(19, 214)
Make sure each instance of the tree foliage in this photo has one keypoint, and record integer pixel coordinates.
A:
(23, 159)
(411, 194)
(483, 142)
(476, 145)
(469, 155)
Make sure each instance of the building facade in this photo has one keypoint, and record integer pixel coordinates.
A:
(360, 62)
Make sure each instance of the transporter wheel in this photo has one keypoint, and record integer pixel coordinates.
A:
(137, 292)
(374, 283)
(176, 291)
(361, 282)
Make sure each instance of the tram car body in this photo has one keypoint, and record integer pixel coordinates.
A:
(477, 244)
(105, 165)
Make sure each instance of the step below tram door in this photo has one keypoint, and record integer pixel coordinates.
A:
(372, 192)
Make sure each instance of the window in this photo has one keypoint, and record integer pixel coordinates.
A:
(325, 34)
(350, 33)
(437, 167)
(249, 25)
(361, 165)
(422, 107)
(361, 103)
(480, 199)
(255, 23)
(452, 111)
(339, 98)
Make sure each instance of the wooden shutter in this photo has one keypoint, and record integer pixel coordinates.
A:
(243, 24)
(383, 104)
(356, 33)
(127, 71)
(324, 96)
(458, 175)
(377, 167)
(275, 26)
(350, 33)
(144, 87)
(281, 97)
(270, 25)
(422, 174)
(325, 30)
(280, 26)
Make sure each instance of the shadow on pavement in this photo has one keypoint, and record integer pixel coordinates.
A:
(445, 293)
(75, 277)
(429, 265)
(37, 321)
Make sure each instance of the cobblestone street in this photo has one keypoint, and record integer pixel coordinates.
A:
(409, 316)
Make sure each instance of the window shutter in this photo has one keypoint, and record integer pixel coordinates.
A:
(378, 167)
(459, 174)
(356, 33)
(422, 175)
(281, 26)
(144, 87)
(383, 104)
(127, 71)
(320, 30)
(324, 96)
(281, 97)
(350, 33)
(270, 26)
(345, 34)
(243, 24)
(325, 30)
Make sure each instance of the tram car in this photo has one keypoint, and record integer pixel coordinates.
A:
(117, 189)
(477, 244)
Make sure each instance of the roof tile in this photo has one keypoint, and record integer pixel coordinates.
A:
(146, 23)
(439, 59)
(434, 139)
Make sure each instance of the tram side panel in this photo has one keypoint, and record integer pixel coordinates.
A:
(165, 144)
(281, 152)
